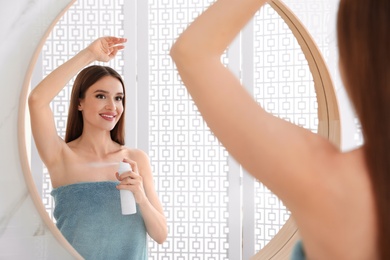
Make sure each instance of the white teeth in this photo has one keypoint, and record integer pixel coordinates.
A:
(107, 116)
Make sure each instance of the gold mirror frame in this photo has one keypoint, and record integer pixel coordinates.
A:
(328, 115)
(23, 148)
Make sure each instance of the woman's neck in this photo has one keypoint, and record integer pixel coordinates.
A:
(97, 143)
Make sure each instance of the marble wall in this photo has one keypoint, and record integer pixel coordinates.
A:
(23, 234)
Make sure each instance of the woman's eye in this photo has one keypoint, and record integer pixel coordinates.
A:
(100, 96)
(119, 98)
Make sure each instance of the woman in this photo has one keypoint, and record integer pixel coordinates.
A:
(83, 167)
(340, 200)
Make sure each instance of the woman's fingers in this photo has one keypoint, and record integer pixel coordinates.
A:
(129, 178)
(114, 40)
(128, 175)
(133, 165)
(115, 44)
(106, 48)
(130, 181)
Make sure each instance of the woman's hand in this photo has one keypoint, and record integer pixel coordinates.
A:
(132, 181)
(140, 182)
(105, 48)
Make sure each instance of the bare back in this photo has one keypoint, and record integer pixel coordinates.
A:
(337, 217)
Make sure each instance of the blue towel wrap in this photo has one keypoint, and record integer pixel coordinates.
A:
(89, 216)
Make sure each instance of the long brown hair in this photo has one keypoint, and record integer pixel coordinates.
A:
(85, 79)
(364, 43)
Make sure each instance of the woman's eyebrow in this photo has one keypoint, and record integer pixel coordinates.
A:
(102, 91)
(107, 92)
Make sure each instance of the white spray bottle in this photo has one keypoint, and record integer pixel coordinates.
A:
(128, 204)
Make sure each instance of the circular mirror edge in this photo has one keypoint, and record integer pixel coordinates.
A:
(329, 126)
(32, 189)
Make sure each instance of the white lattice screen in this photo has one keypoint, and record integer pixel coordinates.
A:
(191, 165)
(191, 168)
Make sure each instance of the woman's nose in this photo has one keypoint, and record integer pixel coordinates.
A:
(110, 105)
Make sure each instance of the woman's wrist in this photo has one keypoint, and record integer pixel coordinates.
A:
(87, 55)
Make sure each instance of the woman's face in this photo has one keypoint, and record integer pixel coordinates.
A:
(102, 105)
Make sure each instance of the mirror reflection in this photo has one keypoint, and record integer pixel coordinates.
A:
(90, 200)
(190, 169)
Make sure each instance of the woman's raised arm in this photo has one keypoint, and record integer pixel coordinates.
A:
(278, 153)
(48, 143)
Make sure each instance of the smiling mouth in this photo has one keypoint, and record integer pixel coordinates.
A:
(108, 117)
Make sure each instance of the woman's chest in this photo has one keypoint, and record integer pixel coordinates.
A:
(79, 167)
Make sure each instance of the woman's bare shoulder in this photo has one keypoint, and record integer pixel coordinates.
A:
(135, 154)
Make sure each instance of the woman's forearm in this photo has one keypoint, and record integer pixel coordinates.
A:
(50, 86)
(155, 222)
(215, 29)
